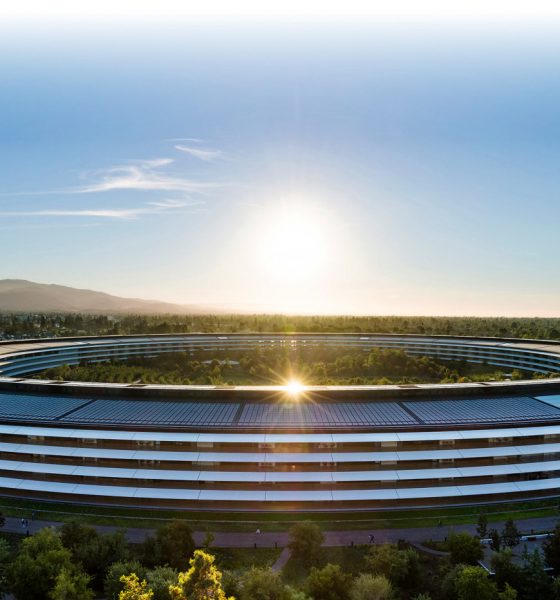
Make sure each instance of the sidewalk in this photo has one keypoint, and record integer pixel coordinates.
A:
(271, 539)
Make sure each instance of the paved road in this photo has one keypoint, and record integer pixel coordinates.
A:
(266, 539)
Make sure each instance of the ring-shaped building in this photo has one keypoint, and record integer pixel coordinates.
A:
(262, 448)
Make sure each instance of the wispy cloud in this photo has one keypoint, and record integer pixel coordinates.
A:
(200, 153)
(126, 214)
(186, 139)
(144, 175)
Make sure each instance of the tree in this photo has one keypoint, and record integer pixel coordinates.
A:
(41, 558)
(94, 552)
(261, 584)
(203, 581)
(535, 582)
(400, 567)
(305, 540)
(71, 585)
(473, 583)
(291, 593)
(495, 540)
(556, 589)
(209, 538)
(482, 525)
(134, 589)
(231, 583)
(511, 536)
(509, 593)
(506, 571)
(75, 534)
(328, 583)
(113, 583)
(371, 587)
(5, 555)
(465, 549)
(551, 550)
(160, 580)
(173, 545)
(448, 577)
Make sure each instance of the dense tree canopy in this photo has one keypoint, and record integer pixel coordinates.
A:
(41, 560)
(54, 325)
(305, 542)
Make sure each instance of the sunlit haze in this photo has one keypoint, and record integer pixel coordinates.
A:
(371, 159)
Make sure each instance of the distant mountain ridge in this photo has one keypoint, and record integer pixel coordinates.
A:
(19, 295)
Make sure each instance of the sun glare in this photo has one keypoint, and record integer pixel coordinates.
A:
(294, 387)
(293, 245)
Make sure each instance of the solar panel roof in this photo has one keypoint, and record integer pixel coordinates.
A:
(482, 410)
(77, 410)
(33, 407)
(341, 414)
(144, 412)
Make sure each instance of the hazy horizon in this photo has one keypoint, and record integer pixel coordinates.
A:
(382, 167)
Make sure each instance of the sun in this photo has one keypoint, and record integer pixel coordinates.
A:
(293, 243)
(294, 387)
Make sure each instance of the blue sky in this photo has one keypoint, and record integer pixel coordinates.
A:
(356, 167)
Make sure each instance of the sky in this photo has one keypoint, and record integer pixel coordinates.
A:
(349, 161)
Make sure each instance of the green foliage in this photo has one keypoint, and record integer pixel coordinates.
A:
(448, 577)
(5, 556)
(556, 589)
(465, 549)
(495, 540)
(506, 571)
(305, 540)
(56, 325)
(203, 581)
(160, 580)
(509, 593)
(94, 552)
(291, 593)
(41, 559)
(71, 585)
(473, 583)
(134, 589)
(482, 525)
(209, 538)
(261, 584)
(231, 583)
(328, 583)
(371, 587)
(400, 567)
(551, 549)
(314, 364)
(113, 583)
(536, 583)
(172, 545)
(511, 536)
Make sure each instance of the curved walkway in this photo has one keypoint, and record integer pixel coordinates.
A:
(266, 539)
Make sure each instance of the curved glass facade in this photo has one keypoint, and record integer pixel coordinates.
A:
(258, 448)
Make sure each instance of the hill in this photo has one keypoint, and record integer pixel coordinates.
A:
(18, 295)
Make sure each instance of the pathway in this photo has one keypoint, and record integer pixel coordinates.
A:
(282, 559)
(266, 539)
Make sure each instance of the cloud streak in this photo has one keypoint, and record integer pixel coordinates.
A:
(146, 176)
(124, 214)
(200, 153)
(143, 175)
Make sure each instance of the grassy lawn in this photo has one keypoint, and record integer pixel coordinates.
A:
(351, 559)
(234, 559)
